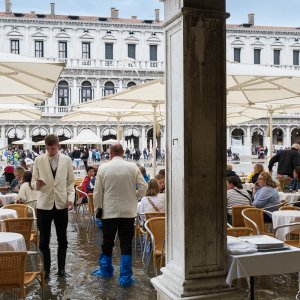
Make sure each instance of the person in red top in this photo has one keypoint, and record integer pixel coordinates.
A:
(85, 182)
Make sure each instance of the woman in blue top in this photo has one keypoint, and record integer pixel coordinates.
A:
(266, 193)
(294, 184)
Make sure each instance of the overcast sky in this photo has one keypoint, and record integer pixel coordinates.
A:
(267, 12)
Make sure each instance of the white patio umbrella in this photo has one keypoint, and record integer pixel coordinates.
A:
(83, 138)
(18, 112)
(148, 96)
(109, 142)
(23, 142)
(255, 91)
(27, 79)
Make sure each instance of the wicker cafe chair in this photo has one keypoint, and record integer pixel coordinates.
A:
(91, 208)
(296, 242)
(80, 194)
(289, 207)
(22, 226)
(239, 231)
(254, 219)
(12, 272)
(22, 209)
(237, 218)
(156, 228)
(139, 232)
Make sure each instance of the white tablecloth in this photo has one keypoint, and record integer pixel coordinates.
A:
(248, 186)
(290, 197)
(6, 213)
(10, 241)
(8, 198)
(282, 217)
(263, 263)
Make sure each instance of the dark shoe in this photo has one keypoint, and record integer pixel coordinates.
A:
(62, 273)
(46, 274)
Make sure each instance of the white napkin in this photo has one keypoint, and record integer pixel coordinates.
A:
(236, 246)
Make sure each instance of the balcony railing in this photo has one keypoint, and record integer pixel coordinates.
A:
(54, 110)
(111, 64)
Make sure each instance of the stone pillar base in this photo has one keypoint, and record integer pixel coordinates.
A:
(165, 292)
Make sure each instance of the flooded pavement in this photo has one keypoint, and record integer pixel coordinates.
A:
(82, 259)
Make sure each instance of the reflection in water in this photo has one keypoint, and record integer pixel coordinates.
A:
(82, 259)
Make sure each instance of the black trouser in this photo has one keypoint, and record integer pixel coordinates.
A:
(44, 220)
(125, 229)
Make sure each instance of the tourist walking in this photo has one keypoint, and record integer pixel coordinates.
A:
(287, 161)
(119, 185)
(53, 177)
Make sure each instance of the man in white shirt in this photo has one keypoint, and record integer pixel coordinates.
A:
(119, 185)
(53, 177)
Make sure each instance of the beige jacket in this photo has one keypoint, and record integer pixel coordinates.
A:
(119, 185)
(58, 190)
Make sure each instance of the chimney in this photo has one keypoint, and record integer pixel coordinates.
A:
(156, 14)
(7, 7)
(52, 8)
(251, 19)
(114, 13)
(133, 17)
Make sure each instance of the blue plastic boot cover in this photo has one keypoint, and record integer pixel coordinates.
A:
(99, 223)
(125, 277)
(106, 268)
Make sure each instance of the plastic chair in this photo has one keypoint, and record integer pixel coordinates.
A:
(12, 272)
(156, 228)
(254, 219)
(239, 231)
(79, 203)
(139, 232)
(237, 218)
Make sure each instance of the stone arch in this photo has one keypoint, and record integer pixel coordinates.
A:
(14, 134)
(277, 135)
(38, 133)
(257, 135)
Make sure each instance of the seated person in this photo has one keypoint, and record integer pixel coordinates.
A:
(294, 184)
(258, 168)
(266, 194)
(84, 184)
(91, 184)
(161, 182)
(16, 183)
(154, 201)
(230, 172)
(143, 171)
(26, 194)
(236, 195)
(7, 176)
(162, 172)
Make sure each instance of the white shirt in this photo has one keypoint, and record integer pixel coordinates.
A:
(27, 194)
(144, 206)
(53, 161)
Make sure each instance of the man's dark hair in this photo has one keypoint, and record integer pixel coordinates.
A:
(51, 140)
(234, 180)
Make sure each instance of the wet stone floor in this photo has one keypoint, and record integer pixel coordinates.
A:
(82, 259)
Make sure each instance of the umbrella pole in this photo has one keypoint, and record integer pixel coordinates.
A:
(154, 140)
(271, 131)
(118, 128)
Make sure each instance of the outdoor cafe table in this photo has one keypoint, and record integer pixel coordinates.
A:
(8, 198)
(282, 217)
(262, 263)
(248, 186)
(11, 241)
(290, 197)
(6, 214)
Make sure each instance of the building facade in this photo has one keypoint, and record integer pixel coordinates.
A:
(270, 46)
(103, 55)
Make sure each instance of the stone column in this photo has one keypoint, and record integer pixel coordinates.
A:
(228, 137)
(98, 94)
(144, 139)
(3, 137)
(75, 131)
(288, 138)
(27, 134)
(196, 105)
(248, 140)
(51, 129)
(75, 95)
(98, 131)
